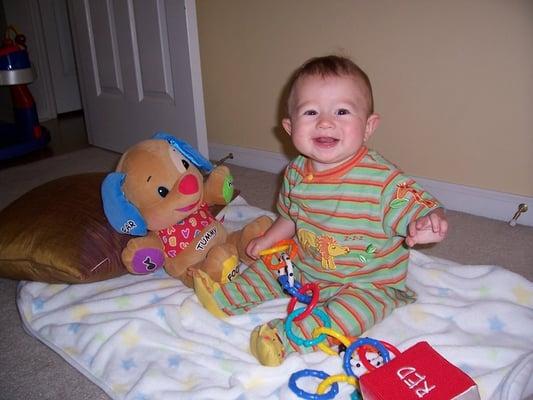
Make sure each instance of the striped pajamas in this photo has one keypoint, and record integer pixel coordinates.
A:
(350, 224)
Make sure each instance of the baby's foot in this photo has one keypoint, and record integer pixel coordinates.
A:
(205, 288)
(266, 346)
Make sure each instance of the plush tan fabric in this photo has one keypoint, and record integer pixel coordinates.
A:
(57, 232)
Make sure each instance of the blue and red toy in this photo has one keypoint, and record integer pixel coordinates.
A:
(26, 134)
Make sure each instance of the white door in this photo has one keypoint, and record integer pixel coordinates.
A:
(54, 16)
(139, 70)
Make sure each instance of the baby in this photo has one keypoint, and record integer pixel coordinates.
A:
(353, 213)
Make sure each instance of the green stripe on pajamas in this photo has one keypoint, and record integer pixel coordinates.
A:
(352, 310)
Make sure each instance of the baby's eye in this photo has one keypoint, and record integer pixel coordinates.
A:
(310, 112)
(343, 111)
(185, 163)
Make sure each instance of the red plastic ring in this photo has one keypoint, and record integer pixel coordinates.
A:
(313, 287)
(361, 352)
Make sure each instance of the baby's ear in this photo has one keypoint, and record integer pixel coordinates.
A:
(372, 124)
(286, 122)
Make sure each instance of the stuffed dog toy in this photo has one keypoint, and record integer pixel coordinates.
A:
(159, 193)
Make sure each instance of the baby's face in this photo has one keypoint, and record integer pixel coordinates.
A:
(329, 119)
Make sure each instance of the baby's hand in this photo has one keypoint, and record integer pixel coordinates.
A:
(255, 246)
(431, 228)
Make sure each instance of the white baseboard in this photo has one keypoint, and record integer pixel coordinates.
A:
(471, 200)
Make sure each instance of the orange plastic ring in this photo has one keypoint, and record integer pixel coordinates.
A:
(267, 254)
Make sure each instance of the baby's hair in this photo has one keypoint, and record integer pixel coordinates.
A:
(333, 66)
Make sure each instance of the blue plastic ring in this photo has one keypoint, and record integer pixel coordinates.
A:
(312, 396)
(294, 290)
(306, 342)
(361, 342)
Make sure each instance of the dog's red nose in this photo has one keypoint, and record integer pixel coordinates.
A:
(188, 185)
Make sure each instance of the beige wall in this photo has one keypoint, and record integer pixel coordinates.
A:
(453, 80)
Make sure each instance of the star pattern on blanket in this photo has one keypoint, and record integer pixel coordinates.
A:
(173, 361)
(74, 328)
(128, 364)
(255, 320)
(484, 291)
(38, 304)
(100, 337)
(496, 324)
(120, 388)
(130, 337)
(444, 292)
(123, 301)
(417, 313)
(72, 351)
(254, 382)
(80, 311)
(523, 296)
(156, 299)
(226, 329)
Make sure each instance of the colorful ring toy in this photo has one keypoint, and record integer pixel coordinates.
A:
(267, 254)
(329, 381)
(322, 346)
(361, 342)
(306, 342)
(313, 287)
(312, 396)
(367, 363)
(294, 290)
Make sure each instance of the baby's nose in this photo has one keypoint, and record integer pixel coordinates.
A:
(325, 122)
(188, 185)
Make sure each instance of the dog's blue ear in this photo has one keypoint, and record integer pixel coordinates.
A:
(187, 150)
(120, 212)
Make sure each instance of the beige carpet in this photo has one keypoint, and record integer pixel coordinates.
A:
(30, 370)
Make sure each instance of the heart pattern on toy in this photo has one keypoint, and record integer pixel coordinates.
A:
(178, 237)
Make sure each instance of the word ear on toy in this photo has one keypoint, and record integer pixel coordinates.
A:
(123, 216)
(187, 150)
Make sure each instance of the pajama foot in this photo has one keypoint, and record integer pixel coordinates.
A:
(204, 288)
(266, 346)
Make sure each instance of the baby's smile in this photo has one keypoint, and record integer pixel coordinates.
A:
(325, 141)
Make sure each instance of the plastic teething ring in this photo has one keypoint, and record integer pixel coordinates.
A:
(362, 354)
(361, 342)
(313, 287)
(267, 254)
(312, 396)
(306, 342)
(341, 338)
(329, 381)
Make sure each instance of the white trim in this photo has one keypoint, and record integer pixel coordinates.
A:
(196, 76)
(471, 200)
(250, 158)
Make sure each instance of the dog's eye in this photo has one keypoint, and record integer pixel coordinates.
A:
(163, 191)
(185, 163)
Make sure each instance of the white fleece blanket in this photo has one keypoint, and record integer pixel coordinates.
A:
(147, 337)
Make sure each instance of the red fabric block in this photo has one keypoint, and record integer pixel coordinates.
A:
(418, 373)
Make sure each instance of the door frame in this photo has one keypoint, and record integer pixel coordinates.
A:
(196, 76)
